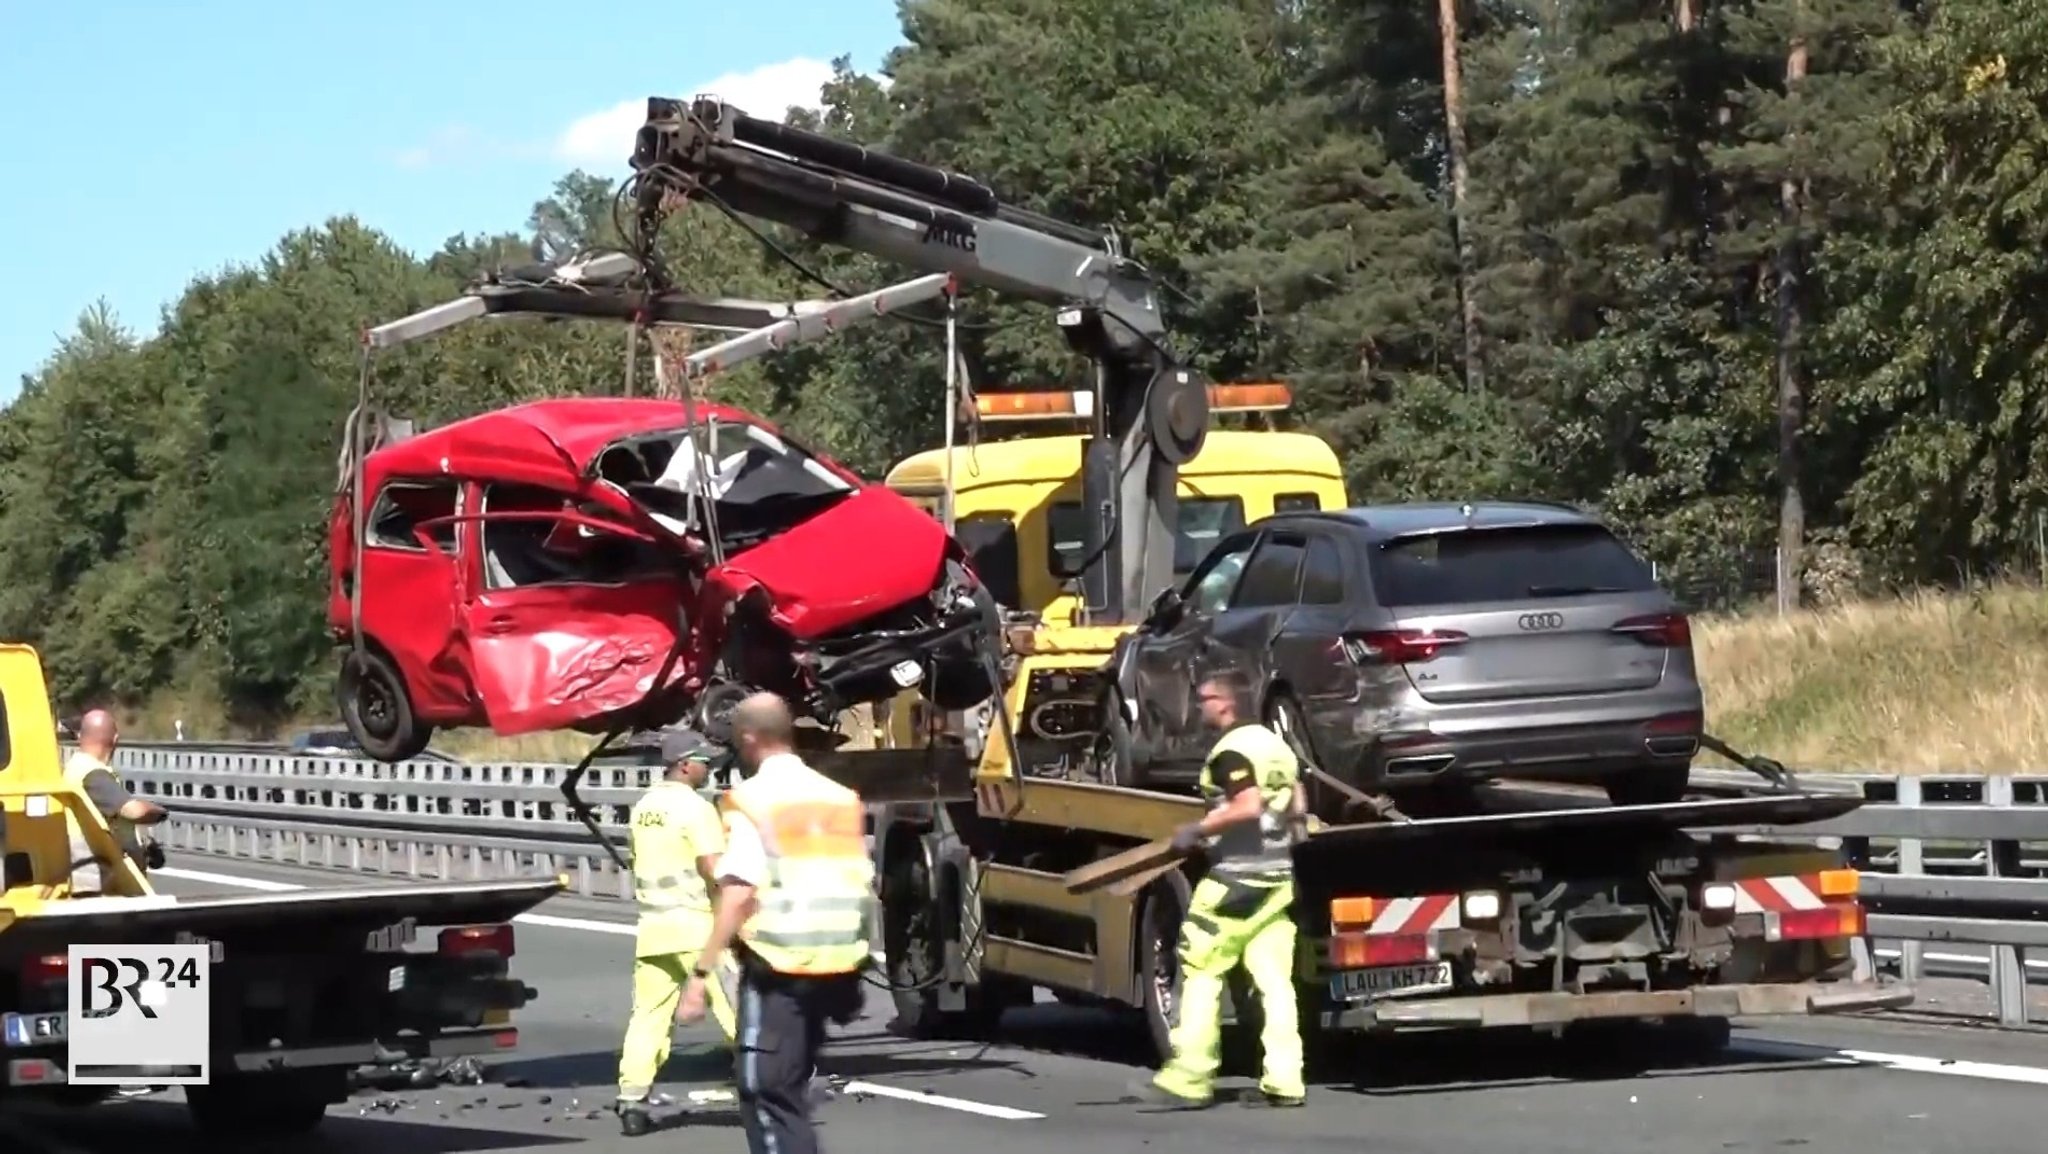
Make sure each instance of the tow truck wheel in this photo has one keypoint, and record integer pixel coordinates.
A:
(1166, 903)
(268, 1105)
(371, 697)
(913, 951)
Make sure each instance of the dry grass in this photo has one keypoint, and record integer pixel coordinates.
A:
(1927, 683)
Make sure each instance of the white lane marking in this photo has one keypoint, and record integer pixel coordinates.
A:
(1006, 1113)
(594, 926)
(587, 925)
(1905, 1063)
(183, 874)
(551, 921)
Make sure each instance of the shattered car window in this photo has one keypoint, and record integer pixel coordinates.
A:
(522, 551)
(759, 483)
(396, 514)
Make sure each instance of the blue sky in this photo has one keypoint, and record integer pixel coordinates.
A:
(150, 143)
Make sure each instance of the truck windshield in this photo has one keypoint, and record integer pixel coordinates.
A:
(1468, 566)
(1203, 522)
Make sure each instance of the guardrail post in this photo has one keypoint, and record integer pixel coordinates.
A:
(1910, 862)
(2008, 968)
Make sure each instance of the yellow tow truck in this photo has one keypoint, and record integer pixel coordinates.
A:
(304, 987)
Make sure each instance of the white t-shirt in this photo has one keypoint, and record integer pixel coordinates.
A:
(745, 859)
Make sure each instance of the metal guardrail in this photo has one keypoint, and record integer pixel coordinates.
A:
(1942, 856)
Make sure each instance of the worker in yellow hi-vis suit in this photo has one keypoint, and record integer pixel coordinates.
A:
(677, 838)
(1242, 911)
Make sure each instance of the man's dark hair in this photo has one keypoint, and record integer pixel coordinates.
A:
(1236, 684)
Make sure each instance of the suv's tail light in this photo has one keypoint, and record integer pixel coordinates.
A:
(1663, 630)
(45, 969)
(1399, 646)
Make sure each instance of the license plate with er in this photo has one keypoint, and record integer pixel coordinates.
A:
(32, 1029)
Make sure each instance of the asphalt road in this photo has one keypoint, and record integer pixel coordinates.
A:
(1868, 1086)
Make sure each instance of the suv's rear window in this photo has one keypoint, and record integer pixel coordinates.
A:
(1465, 566)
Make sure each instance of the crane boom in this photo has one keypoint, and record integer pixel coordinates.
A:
(1151, 411)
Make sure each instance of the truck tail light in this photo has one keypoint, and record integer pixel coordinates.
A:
(461, 941)
(1399, 646)
(1359, 951)
(1658, 630)
(1834, 920)
(44, 970)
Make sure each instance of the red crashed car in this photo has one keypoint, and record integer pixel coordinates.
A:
(537, 567)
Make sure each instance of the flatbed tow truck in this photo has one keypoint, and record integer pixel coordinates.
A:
(1540, 917)
(305, 987)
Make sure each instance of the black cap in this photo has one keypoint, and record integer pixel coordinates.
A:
(684, 745)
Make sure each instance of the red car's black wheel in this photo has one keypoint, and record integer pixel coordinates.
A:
(372, 699)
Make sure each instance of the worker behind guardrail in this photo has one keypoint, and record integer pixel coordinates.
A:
(90, 771)
(1242, 911)
(677, 837)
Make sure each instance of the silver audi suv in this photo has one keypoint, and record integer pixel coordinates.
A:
(1409, 645)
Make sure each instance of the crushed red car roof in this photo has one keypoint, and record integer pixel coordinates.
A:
(549, 442)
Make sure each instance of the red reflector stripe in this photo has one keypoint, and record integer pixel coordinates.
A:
(505, 1039)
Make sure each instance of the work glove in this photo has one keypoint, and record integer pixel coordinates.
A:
(1188, 838)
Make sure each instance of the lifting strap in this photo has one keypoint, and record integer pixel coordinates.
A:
(358, 452)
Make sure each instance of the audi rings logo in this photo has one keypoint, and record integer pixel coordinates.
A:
(1536, 622)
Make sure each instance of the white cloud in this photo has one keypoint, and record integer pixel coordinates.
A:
(605, 138)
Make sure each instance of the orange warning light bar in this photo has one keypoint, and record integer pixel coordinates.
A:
(1259, 397)
(1034, 406)
(1263, 397)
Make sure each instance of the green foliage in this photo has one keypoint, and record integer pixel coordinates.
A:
(1283, 168)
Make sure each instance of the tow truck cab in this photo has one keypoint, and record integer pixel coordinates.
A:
(1017, 503)
(302, 987)
(1017, 510)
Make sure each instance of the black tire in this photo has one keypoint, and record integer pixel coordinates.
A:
(280, 1105)
(913, 952)
(1159, 979)
(1657, 784)
(371, 696)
